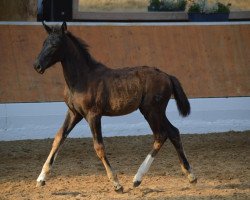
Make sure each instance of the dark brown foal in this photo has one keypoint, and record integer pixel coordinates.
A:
(93, 90)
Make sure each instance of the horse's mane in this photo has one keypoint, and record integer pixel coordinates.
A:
(83, 48)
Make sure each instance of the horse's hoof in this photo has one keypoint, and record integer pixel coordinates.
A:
(40, 183)
(119, 189)
(192, 178)
(193, 181)
(136, 183)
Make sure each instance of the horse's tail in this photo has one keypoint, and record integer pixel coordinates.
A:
(180, 97)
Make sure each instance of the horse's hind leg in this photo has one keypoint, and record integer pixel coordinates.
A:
(69, 123)
(155, 120)
(174, 136)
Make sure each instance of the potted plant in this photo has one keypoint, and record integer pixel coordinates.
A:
(167, 5)
(201, 11)
(154, 5)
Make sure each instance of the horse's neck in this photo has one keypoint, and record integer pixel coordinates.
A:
(75, 67)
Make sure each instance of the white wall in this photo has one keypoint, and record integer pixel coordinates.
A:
(42, 120)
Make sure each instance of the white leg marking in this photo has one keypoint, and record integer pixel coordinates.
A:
(192, 178)
(41, 177)
(143, 168)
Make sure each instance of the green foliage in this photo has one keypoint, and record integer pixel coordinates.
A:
(171, 5)
(182, 4)
(202, 6)
(167, 5)
(222, 8)
(194, 8)
(155, 2)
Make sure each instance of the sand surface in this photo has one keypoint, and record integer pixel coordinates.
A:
(221, 162)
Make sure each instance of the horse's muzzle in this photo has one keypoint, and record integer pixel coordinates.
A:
(38, 67)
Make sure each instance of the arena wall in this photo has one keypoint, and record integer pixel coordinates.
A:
(211, 60)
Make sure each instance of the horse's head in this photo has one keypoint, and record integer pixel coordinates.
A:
(52, 50)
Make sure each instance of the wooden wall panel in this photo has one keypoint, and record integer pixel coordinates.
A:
(209, 60)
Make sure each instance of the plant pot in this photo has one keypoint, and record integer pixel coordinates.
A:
(208, 17)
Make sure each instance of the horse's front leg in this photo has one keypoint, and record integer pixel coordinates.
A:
(70, 121)
(95, 126)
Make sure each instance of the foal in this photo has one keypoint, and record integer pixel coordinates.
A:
(93, 90)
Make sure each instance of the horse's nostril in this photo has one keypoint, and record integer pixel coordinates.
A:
(36, 65)
(38, 68)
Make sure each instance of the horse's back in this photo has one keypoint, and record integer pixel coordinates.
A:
(128, 88)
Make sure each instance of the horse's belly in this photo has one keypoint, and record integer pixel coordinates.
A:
(122, 105)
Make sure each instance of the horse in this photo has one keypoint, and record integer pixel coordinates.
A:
(93, 90)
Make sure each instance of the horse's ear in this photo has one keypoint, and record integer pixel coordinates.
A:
(64, 27)
(47, 28)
